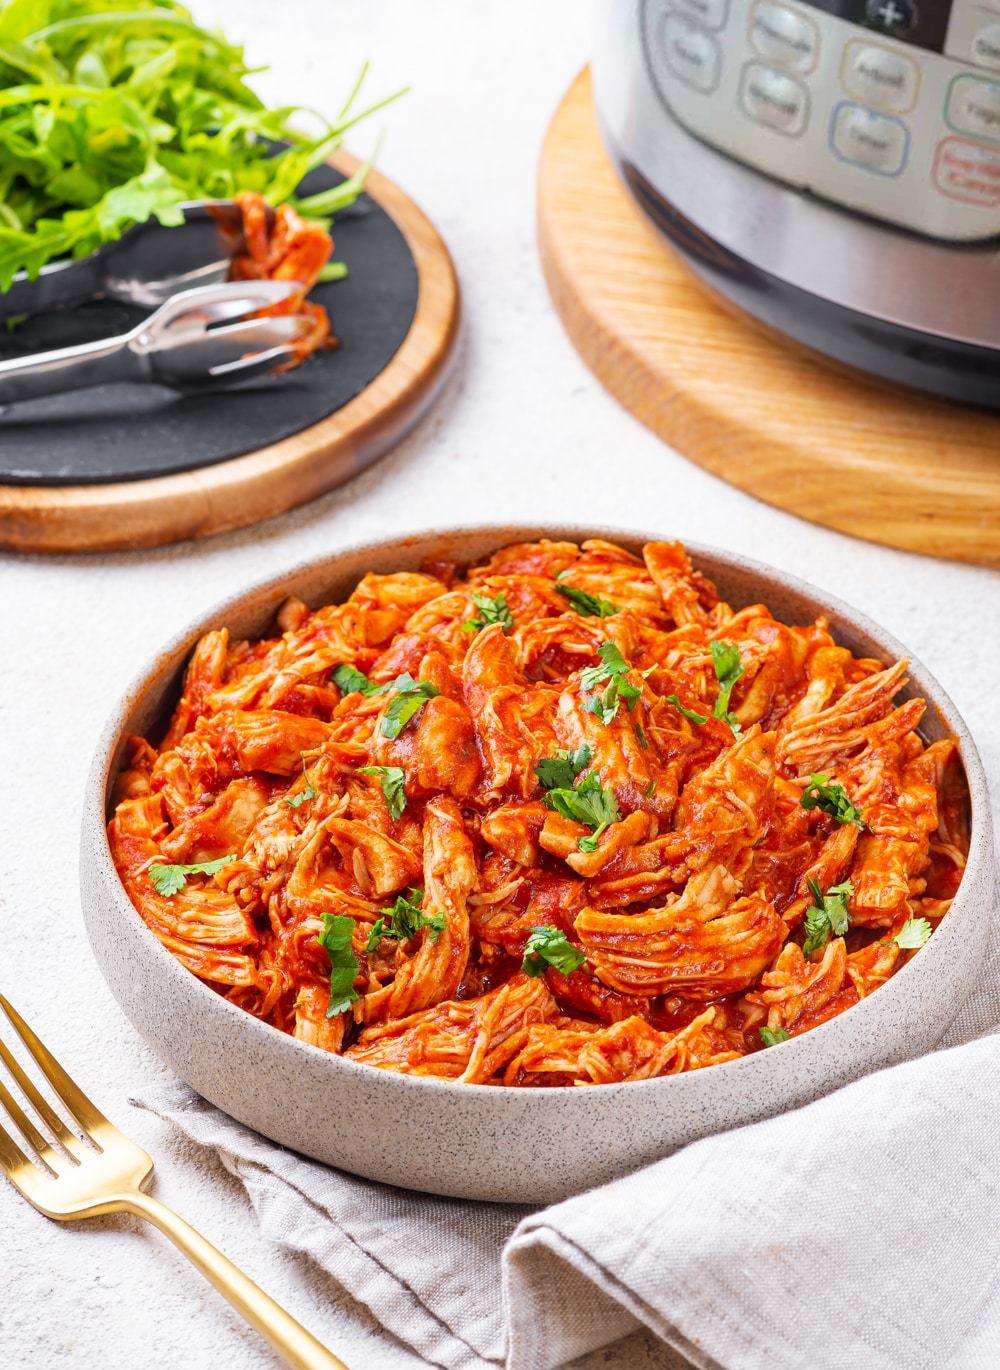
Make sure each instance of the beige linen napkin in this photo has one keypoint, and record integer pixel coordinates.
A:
(861, 1232)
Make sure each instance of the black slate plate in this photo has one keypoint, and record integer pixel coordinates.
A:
(130, 432)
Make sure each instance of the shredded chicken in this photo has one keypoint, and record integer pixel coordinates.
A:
(560, 850)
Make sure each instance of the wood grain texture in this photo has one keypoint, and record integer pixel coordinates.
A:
(876, 462)
(244, 490)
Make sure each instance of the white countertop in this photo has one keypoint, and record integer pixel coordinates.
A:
(524, 432)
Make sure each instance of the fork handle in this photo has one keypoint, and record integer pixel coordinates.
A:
(297, 1347)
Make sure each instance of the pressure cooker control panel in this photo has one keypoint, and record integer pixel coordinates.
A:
(890, 107)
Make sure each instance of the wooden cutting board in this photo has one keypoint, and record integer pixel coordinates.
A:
(296, 436)
(876, 462)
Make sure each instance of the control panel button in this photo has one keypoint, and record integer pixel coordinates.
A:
(968, 172)
(985, 47)
(773, 98)
(974, 107)
(691, 54)
(783, 36)
(880, 77)
(712, 14)
(876, 142)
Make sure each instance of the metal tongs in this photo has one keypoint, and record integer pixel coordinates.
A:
(183, 345)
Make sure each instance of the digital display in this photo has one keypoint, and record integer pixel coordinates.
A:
(924, 24)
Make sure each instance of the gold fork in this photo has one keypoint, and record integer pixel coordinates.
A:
(106, 1176)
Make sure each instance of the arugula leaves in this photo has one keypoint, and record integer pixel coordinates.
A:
(560, 771)
(911, 936)
(114, 111)
(589, 804)
(688, 713)
(728, 669)
(828, 916)
(613, 669)
(588, 606)
(309, 792)
(549, 946)
(350, 681)
(404, 920)
(410, 698)
(338, 930)
(493, 610)
(772, 1036)
(830, 797)
(392, 779)
(170, 880)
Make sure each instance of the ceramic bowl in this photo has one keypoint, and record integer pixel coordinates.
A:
(530, 1145)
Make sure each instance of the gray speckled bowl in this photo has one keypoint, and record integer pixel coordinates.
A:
(532, 1145)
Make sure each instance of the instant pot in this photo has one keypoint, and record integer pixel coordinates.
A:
(831, 166)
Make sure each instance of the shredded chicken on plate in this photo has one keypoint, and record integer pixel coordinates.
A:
(564, 818)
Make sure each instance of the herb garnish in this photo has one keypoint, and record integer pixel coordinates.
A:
(830, 797)
(588, 606)
(547, 945)
(828, 916)
(589, 804)
(772, 1036)
(404, 920)
(911, 936)
(338, 930)
(350, 681)
(392, 779)
(560, 771)
(613, 669)
(728, 669)
(309, 792)
(688, 713)
(170, 880)
(410, 698)
(493, 610)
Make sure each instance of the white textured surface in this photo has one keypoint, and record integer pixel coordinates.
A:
(524, 432)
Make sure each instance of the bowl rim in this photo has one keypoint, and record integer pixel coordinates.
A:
(173, 655)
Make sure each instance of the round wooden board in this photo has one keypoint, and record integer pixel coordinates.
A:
(879, 463)
(244, 490)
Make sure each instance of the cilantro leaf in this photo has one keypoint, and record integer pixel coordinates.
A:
(550, 946)
(771, 1037)
(170, 880)
(912, 935)
(830, 797)
(392, 778)
(589, 804)
(309, 792)
(493, 610)
(588, 606)
(728, 669)
(350, 681)
(336, 937)
(404, 920)
(828, 915)
(560, 771)
(688, 713)
(411, 696)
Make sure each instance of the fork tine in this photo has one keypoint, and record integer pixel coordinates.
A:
(41, 1105)
(71, 1096)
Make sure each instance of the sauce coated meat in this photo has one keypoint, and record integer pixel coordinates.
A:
(564, 818)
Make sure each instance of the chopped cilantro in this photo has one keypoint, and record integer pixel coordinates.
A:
(560, 771)
(350, 681)
(728, 669)
(771, 1037)
(550, 946)
(404, 920)
(688, 713)
(338, 930)
(309, 792)
(411, 696)
(170, 880)
(393, 779)
(828, 915)
(589, 606)
(830, 797)
(589, 804)
(493, 610)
